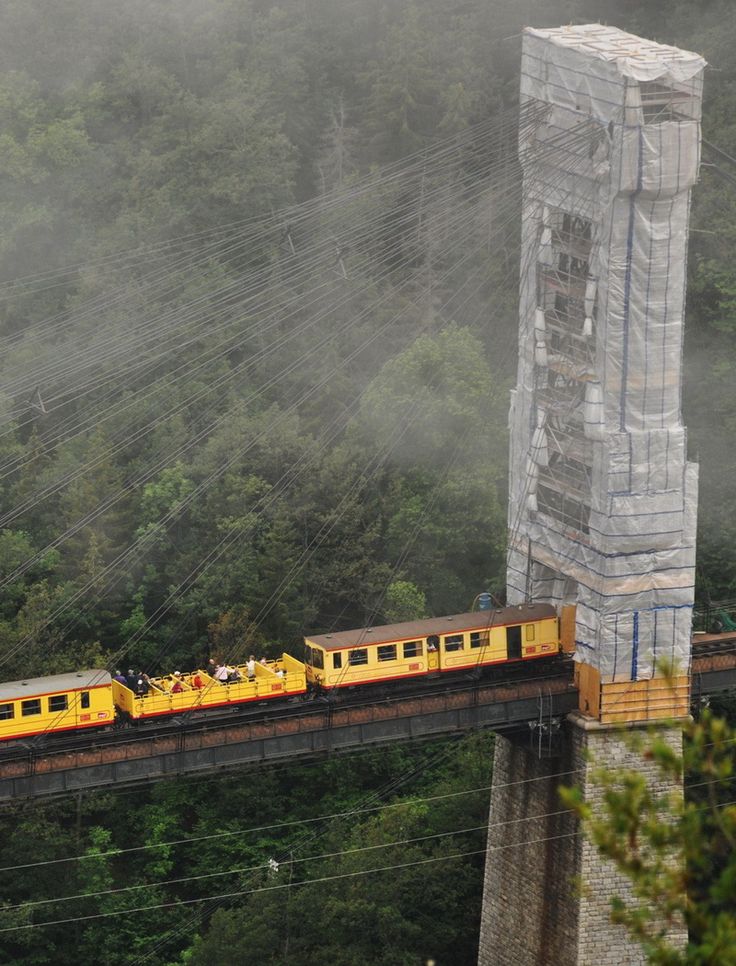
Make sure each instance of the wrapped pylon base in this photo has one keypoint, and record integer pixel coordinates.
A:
(603, 499)
(625, 702)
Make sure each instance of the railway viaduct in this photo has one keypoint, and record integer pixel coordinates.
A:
(602, 509)
(531, 708)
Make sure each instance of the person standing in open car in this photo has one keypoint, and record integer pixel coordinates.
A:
(221, 673)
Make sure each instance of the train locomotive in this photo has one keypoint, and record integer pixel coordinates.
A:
(431, 648)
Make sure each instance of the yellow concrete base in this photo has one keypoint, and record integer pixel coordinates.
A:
(567, 628)
(621, 702)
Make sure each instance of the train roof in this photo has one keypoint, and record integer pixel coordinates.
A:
(408, 630)
(53, 684)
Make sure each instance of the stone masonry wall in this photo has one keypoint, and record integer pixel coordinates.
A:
(599, 941)
(534, 910)
(529, 912)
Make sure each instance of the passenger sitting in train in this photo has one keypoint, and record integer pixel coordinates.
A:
(120, 678)
(177, 687)
(234, 675)
(212, 666)
(280, 672)
(143, 684)
(131, 680)
(197, 681)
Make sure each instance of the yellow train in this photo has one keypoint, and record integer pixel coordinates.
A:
(59, 702)
(436, 645)
(365, 656)
(198, 691)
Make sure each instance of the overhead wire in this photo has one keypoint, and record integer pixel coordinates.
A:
(264, 866)
(323, 205)
(180, 406)
(261, 867)
(229, 833)
(294, 861)
(290, 885)
(364, 312)
(158, 327)
(308, 837)
(387, 170)
(186, 401)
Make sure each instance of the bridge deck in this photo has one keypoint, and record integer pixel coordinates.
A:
(312, 730)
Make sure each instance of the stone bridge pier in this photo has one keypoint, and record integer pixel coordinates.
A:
(602, 496)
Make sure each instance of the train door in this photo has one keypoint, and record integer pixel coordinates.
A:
(513, 642)
(433, 653)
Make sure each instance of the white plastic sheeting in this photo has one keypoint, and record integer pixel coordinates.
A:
(604, 513)
(627, 54)
(589, 68)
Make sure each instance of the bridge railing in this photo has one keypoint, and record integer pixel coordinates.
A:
(715, 616)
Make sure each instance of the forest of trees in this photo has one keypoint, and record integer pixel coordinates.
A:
(257, 311)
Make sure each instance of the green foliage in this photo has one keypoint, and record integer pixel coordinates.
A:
(404, 602)
(375, 816)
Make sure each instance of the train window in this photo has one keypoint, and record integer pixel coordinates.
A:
(307, 654)
(359, 656)
(413, 649)
(58, 702)
(337, 660)
(32, 706)
(479, 638)
(530, 630)
(318, 658)
(454, 642)
(7, 711)
(387, 652)
(85, 699)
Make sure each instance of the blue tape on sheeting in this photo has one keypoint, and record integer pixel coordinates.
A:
(654, 642)
(635, 642)
(646, 610)
(548, 525)
(627, 284)
(615, 648)
(629, 573)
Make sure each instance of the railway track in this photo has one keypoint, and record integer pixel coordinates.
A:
(321, 710)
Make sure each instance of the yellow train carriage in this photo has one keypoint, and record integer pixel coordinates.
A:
(433, 645)
(58, 702)
(504, 635)
(274, 679)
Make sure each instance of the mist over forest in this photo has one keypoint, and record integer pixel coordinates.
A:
(258, 276)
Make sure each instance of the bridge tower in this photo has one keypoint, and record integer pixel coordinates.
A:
(602, 508)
